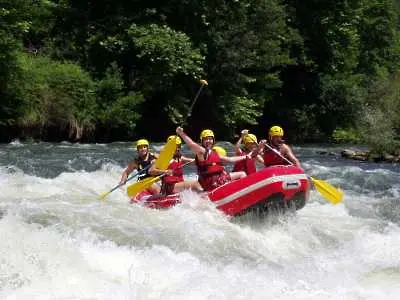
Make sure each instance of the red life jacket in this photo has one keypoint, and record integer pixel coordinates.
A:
(168, 181)
(211, 171)
(210, 165)
(248, 165)
(177, 175)
(273, 159)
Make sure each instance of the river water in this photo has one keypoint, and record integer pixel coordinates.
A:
(58, 241)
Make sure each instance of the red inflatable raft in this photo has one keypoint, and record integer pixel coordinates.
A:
(273, 187)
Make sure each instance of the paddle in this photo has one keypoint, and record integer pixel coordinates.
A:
(161, 163)
(105, 194)
(147, 182)
(166, 155)
(203, 83)
(329, 192)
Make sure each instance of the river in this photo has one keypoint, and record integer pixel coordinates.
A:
(59, 241)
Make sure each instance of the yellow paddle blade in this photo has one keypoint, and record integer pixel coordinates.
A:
(139, 186)
(166, 155)
(332, 194)
(161, 163)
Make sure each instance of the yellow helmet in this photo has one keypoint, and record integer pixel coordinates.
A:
(221, 151)
(206, 133)
(178, 140)
(249, 139)
(275, 131)
(142, 142)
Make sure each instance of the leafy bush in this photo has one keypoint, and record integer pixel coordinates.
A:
(346, 136)
(380, 118)
(57, 95)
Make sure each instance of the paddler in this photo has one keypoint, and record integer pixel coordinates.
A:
(210, 169)
(275, 145)
(141, 163)
(173, 181)
(221, 151)
(250, 146)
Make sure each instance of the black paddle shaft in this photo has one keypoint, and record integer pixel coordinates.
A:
(193, 103)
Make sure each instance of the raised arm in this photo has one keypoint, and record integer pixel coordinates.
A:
(261, 146)
(238, 150)
(196, 148)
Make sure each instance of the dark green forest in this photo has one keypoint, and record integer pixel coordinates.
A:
(109, 70)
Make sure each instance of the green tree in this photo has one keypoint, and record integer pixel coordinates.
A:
(379, 38)
(13, 24)
(159, 62)
(245, 44)
(347, 45)
(118, 108)
(307, 65)
(59, 96)
(379, 119)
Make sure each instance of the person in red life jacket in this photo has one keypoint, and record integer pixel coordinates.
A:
(277, 145)
(250, 147)
(143, 161)
(221, 151)
(173, 181)
(210, 169)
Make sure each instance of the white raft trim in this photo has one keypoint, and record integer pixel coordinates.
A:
(290, 178)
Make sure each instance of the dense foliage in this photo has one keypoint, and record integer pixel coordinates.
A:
(111, 70)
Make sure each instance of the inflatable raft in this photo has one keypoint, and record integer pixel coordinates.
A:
(269, 188)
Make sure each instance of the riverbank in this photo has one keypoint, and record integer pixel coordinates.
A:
(370, 156)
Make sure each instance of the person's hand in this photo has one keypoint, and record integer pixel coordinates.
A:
(179, 130)
(124, 177)
(244, 132)
(169, 172)
(263, 142)
(122, 182)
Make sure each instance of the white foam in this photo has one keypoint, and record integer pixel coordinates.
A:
(59, 241)
(16, 143)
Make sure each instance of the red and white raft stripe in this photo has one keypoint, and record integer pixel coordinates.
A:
(290, 181)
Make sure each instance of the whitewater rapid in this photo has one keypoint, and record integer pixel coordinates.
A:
(59, 241)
